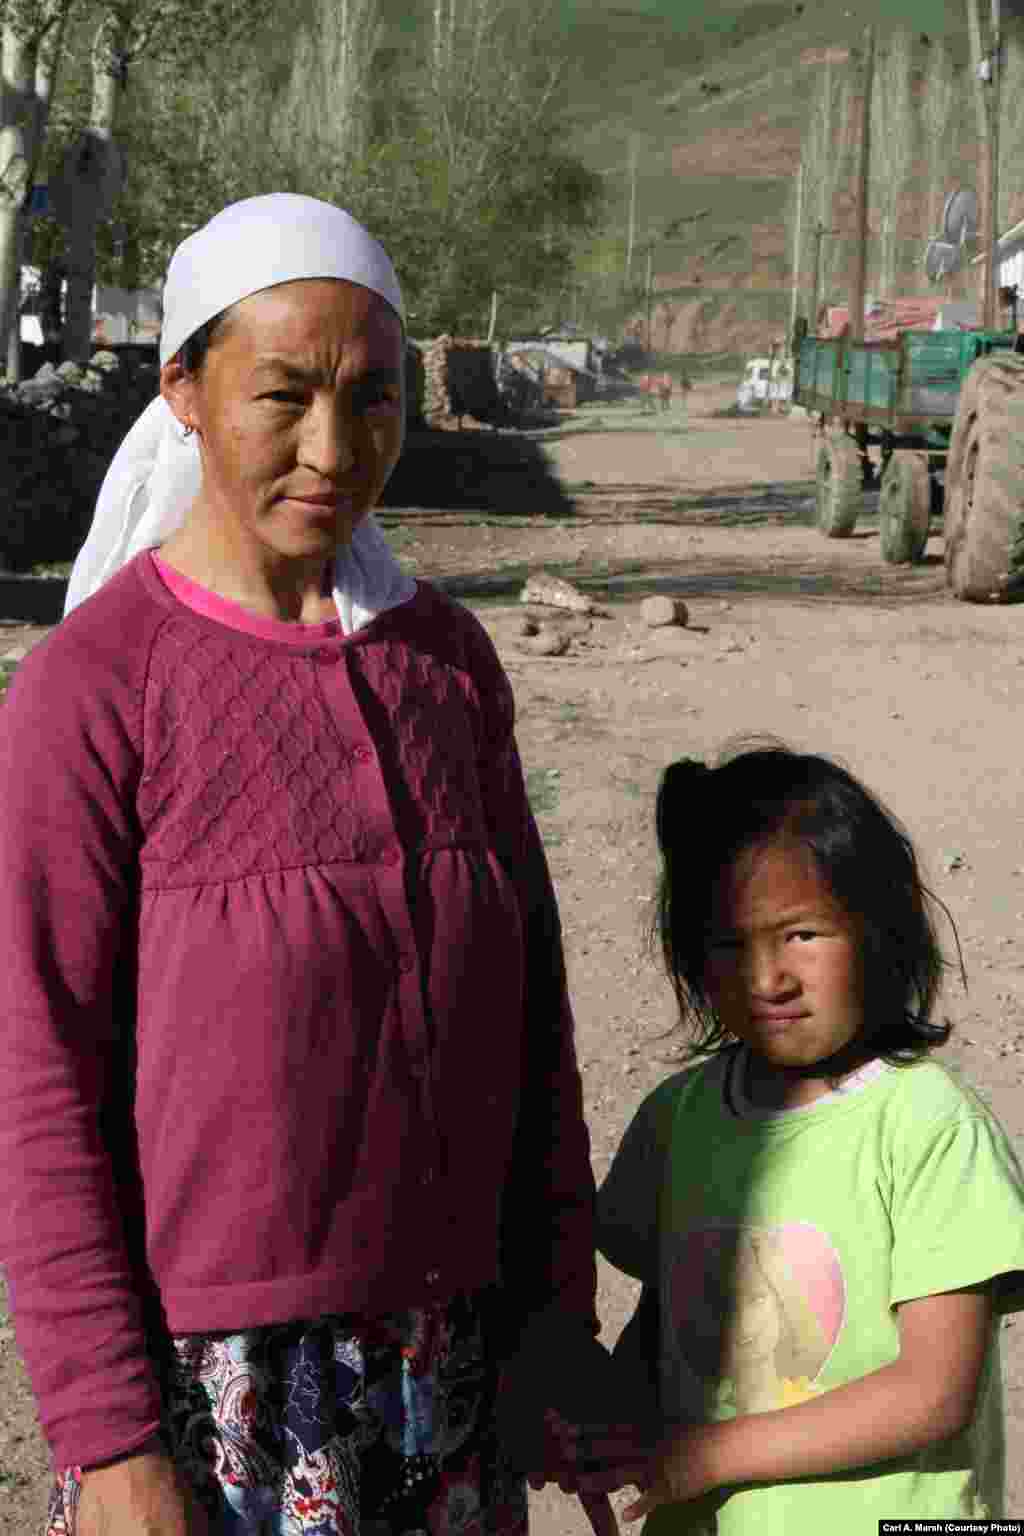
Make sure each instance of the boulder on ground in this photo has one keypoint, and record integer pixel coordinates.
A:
(554, 592)
(659, 611)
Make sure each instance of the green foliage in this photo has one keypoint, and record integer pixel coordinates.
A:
(457, 161)
(490, 197)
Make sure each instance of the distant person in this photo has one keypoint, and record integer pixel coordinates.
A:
(293, 1162)
(829, 1225)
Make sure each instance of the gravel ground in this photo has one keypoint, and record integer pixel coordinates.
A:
(811, 640)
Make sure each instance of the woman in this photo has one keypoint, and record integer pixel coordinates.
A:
(291, 1136)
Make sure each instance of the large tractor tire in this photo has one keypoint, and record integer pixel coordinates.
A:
(904, 508)
(983, 524)
(839, 491)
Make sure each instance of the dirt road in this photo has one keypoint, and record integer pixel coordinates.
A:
(814, 641)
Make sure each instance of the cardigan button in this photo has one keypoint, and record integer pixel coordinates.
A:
(362, 754)
(433, 1276)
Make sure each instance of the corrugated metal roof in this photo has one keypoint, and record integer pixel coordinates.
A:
(552, 359)
(886, 318)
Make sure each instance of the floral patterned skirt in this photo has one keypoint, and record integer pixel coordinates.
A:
(339, 1427)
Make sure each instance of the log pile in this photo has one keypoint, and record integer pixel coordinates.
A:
(459, 385)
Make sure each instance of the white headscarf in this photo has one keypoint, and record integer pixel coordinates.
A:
(156, 473)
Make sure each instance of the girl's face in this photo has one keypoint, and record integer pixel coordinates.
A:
(784, 971)
(301, 397)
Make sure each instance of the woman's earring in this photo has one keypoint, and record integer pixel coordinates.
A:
(189, 429)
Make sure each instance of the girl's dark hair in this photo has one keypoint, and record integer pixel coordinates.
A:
(192, 352)
(756, 794)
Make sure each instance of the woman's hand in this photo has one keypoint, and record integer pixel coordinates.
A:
(558, 1467)
(144, 1495)
(668, 1469)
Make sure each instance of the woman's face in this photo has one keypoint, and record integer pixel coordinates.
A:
(300, 396)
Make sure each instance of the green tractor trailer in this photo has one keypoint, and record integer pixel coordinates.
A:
(944, 411)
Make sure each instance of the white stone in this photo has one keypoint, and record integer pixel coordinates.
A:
(660, 611)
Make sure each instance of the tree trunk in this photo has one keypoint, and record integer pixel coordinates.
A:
(632, 211)
(110, 44)
(798, 235)
(862, 190)
(17, 80)
(14, 334)
(28, 73)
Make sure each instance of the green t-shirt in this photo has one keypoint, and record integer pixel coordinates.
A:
(780, 1243)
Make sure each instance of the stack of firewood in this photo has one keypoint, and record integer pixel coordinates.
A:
(459, 384)
(436, 401)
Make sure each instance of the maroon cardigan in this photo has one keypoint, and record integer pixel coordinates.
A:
(283, 1019)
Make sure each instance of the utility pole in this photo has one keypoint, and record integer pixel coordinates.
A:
(992, 231)
(797, 242)
(987, 74)
(859, 283)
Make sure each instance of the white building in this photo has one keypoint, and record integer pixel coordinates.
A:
(1010, 253)
(118, 314)
(955, 316)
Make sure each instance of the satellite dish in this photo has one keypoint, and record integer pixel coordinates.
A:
(960, 216)
(91, 171)
(941, 259)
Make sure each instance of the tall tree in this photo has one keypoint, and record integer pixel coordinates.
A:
(503, 202)
(176, 30)
(939, 110)
(1011, 130)
(328, 101)
(823, 160)
(32, 34)
(892, 148)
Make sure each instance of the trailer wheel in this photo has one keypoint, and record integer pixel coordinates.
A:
(936, 467)
(904, 508)
(984, 517)
(839, 491)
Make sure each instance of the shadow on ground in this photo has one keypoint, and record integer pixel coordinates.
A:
(789, 581)
(486, 471)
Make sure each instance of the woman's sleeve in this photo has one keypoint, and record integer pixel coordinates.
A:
(548, 1207)
(68, 855)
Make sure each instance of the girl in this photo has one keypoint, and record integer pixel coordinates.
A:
(828, 1224)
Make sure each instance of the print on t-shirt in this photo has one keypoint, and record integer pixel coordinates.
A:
(754, 1314)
